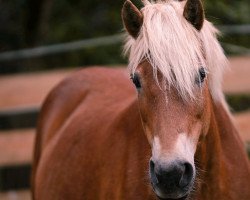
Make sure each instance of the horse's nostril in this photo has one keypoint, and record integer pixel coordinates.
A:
(152, 164)
(152, 172)
(176, 175)
(187, 175)
(171, 180)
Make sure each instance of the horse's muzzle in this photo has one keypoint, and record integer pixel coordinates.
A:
(172, 181)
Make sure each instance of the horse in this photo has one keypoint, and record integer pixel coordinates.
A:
(169, 135)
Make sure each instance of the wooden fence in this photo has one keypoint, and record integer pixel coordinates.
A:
(18, 176)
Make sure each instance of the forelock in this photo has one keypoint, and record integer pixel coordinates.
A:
(175, 48)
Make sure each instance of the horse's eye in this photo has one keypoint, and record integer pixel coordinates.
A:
(202, 75)
(136, 81)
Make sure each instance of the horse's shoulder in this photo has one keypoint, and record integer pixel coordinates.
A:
(99, 94)
(89, 78)
(95, 83)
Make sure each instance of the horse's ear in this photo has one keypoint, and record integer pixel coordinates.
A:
(194, 13)
(132, 18)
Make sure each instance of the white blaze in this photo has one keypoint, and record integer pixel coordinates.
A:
(183, 149)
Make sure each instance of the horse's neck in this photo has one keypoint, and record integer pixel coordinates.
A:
(222, 157)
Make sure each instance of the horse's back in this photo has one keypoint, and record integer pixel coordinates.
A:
(81, 127)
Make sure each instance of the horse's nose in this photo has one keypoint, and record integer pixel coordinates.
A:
(176, 176)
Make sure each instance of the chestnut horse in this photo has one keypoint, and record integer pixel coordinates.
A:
(97, 139)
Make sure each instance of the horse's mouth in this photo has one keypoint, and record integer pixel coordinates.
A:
(162, 196)
(182, 198)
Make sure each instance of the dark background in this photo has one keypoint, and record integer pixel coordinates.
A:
(32, 23)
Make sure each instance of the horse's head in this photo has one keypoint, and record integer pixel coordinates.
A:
(168, 65)
(173, 127)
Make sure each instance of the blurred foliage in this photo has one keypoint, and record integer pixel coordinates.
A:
(239, 102)
(28, 23)
(228, 11)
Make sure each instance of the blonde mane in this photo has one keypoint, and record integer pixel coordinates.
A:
(176, 49)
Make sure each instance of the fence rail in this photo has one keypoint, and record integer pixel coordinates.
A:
(60, 48)
(104, 41)
(243, 29)
(236, 48)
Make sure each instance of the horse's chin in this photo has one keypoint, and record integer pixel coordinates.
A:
(163, 196)
(180, 198)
